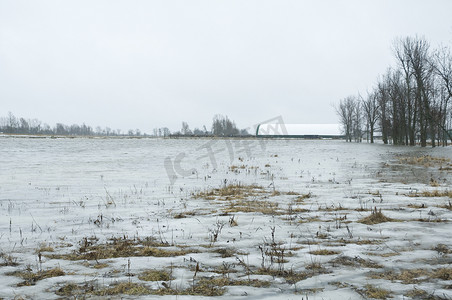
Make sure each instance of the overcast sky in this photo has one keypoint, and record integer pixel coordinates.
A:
(146, 64)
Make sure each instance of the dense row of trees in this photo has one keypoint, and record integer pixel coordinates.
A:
(410, 103)
(17, 125)
(221, 126)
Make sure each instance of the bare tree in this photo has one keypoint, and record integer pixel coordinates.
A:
(222, 126)
(185, 129)
(346, 112)
(402, 49)
(371, 108)
(442, 65)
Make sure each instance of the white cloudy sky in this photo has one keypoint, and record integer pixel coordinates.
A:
(145, 64)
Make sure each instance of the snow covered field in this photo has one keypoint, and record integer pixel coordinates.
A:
(235, 219)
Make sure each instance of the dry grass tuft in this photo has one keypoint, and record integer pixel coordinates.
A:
(184, 215)
(442, 249)
(448, 205)
(417, 206)
(100, 265)
(405, 276)
(95, 265)
(309, 291)
(209, 287)
(232, 191)
(443, 273)
(324, 252)
(255, 206)
(424, 161)
(120, 247)
(356, 262)
(301, 198)
(368, 242)
(43, 247)
(434, 193)
(385, 254)
(126, 288)
(371, 291)
(309, 220)
(418, 294)
(290, 276)
(292, 193)
(30, 277)
(69, 290)
(235, 168)
(204, 287)
(155, 275)
(8, 260)
(432, 220)
(376, 217)
(228, 252)
(222, 281)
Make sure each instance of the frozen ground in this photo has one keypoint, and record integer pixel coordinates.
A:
(237, 219)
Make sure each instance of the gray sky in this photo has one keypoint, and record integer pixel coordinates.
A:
(146, 64)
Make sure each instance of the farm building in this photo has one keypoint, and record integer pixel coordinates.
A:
(306, 131)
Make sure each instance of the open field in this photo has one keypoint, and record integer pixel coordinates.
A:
(258, 219)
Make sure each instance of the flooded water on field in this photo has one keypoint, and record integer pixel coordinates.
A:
(60, 191)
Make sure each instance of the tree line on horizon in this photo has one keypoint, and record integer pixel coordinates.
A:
(410, 103)
(221, 126)
(18, 125)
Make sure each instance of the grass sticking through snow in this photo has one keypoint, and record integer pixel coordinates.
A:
(231, 191)
(324, 252)
(120, 247)
(371, 291)
(405, 276)
(433, 193)
(155, 275)
(376, 217)
(30, 277)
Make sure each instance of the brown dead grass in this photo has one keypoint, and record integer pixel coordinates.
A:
(121, 247)
(412, 276)
(385, 254)
(431, 220)
(43, 247)
(183, 215)
(442, 249)
(302, 198)
(448, 205)
(356, 262)
(418, 294)
(235, 168)
(125, 288)
(8, 260)
(155, 275)
(443, 273)
(434, 193)
(203, 287)
(324, 252)
(376, 217)
(417, 206)
(371, 291)
(232, 191)
(72, 289)
(253, 206)
(290, 276)
(424, 161)
(30, 277)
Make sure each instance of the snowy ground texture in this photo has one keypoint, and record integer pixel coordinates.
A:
(255, 219)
